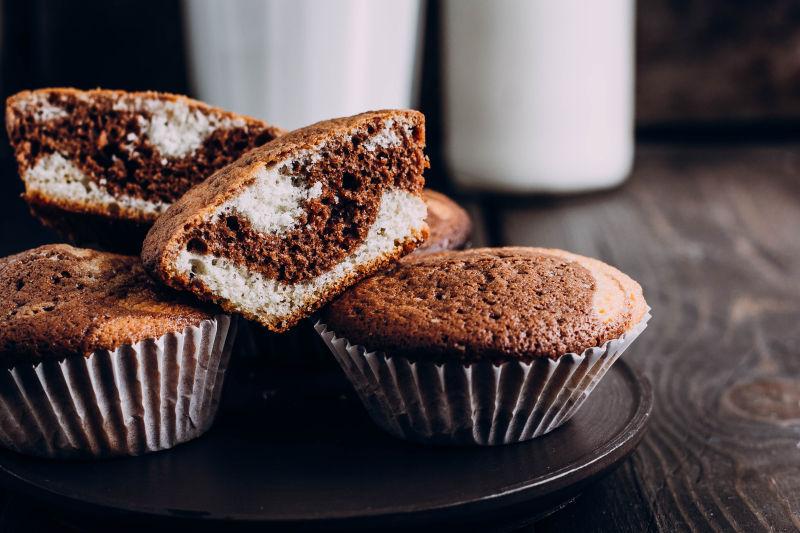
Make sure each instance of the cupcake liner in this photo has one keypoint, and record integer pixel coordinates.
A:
(479, 403)
(135, 399)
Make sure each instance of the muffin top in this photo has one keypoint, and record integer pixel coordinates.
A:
(489, 303)
(57, 300)
(450, 225)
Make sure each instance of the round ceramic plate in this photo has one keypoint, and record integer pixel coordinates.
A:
(307, 455)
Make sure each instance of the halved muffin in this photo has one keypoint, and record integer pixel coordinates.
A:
(100, 166)
(290, 225)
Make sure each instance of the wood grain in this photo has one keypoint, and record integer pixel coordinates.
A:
(713, 235)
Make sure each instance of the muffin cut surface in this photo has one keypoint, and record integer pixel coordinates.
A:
(57, 301)
(489, 303)
(288, 226)
(120, 155)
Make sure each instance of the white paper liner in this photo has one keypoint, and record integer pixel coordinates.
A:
(478, 403)
(136, 399)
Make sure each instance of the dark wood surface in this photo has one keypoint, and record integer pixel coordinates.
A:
(744, 51)
(713, 235)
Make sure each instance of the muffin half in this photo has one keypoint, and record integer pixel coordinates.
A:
(290, 225)
(99, 360)
(484, 346)
(100, 166)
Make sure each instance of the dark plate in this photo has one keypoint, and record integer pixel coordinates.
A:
(305, 459)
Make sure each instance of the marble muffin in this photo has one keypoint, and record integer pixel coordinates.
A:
(519, 335)
(291, 224)
(100, 166)
(99, 360)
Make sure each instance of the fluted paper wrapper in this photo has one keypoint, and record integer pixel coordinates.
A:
(136, 399)
(478, 403)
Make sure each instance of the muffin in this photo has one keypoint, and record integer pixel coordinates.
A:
(100, 166)
(100, 361)
(290, 225)
(485, 346)
(449, 224)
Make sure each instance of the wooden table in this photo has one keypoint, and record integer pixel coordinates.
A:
(713, 235)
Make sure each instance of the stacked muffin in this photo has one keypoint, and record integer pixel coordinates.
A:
(485, 346)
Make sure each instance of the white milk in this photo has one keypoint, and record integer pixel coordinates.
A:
(539, 93)
(294, 62)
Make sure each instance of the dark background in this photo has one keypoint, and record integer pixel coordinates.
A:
(117, 44)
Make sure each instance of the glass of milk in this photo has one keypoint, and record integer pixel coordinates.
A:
(539, 94)
(295, 62)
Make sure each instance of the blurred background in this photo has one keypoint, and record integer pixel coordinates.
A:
(521, 97)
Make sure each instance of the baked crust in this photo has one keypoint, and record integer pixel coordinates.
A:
(13, 101)
(498, 304)
(57, 300)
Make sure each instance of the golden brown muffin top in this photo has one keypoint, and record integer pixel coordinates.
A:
(449, 224)
(57, 300)
(489, 303)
